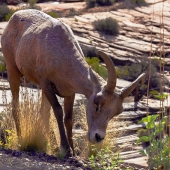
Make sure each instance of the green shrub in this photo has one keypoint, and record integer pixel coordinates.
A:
(138, 1)
(97, 67)
(72, 12)
(4, 10)
(53, 14)
(131, 72)
(158, 152)
(8, 16)
(32, 4)
(2, 67)
(122, 72)
(93, 3)
(157, 95)
(104, 159)
(91, 52)
(137, 68)
(109, 26)
(130, 4)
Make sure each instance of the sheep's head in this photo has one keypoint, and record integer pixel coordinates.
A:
(105, 103)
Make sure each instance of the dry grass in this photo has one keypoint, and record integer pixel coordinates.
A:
(34, 134)
(40, 132)
(33, 129)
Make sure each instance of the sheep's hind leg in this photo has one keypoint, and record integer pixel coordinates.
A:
(14, 80)
(58, 112)
(45, 113)
(68, 109)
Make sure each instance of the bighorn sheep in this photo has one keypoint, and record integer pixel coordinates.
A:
(45, 51)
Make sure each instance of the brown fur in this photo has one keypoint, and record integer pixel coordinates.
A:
(45, 51)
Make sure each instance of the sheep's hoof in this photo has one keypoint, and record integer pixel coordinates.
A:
(68, 155)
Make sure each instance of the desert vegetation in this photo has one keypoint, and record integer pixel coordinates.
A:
(109, 26)
(124, 3)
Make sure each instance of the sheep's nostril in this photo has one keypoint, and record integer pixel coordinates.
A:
(98, 137)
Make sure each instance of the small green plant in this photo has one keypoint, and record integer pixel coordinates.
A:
(97, 67)
(158, 151)
(109, 26)
(32, 4)
(122, 72)
(104, 159)
(90, 41)
(2, 67)
(157, 61)
(8, 16)
(4, 10)
(11, 139)
(53, 14)
(157, 95)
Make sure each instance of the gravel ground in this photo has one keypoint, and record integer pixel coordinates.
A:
(14, 160)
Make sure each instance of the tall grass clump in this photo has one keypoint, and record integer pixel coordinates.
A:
(108, 26)
(33, 123)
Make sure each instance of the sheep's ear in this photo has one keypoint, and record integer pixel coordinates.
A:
(127, 90)
(94, 80)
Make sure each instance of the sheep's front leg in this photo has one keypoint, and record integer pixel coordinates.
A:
(58, 112)
(68, 109)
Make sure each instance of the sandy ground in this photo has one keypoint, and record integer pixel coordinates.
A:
(54, 6)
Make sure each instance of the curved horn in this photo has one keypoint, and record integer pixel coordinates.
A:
(111, 82)
(127, 90)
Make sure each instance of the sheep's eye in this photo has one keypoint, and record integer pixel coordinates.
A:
(107, 118)
(96, 102)
(97, 108)
(97, 105)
